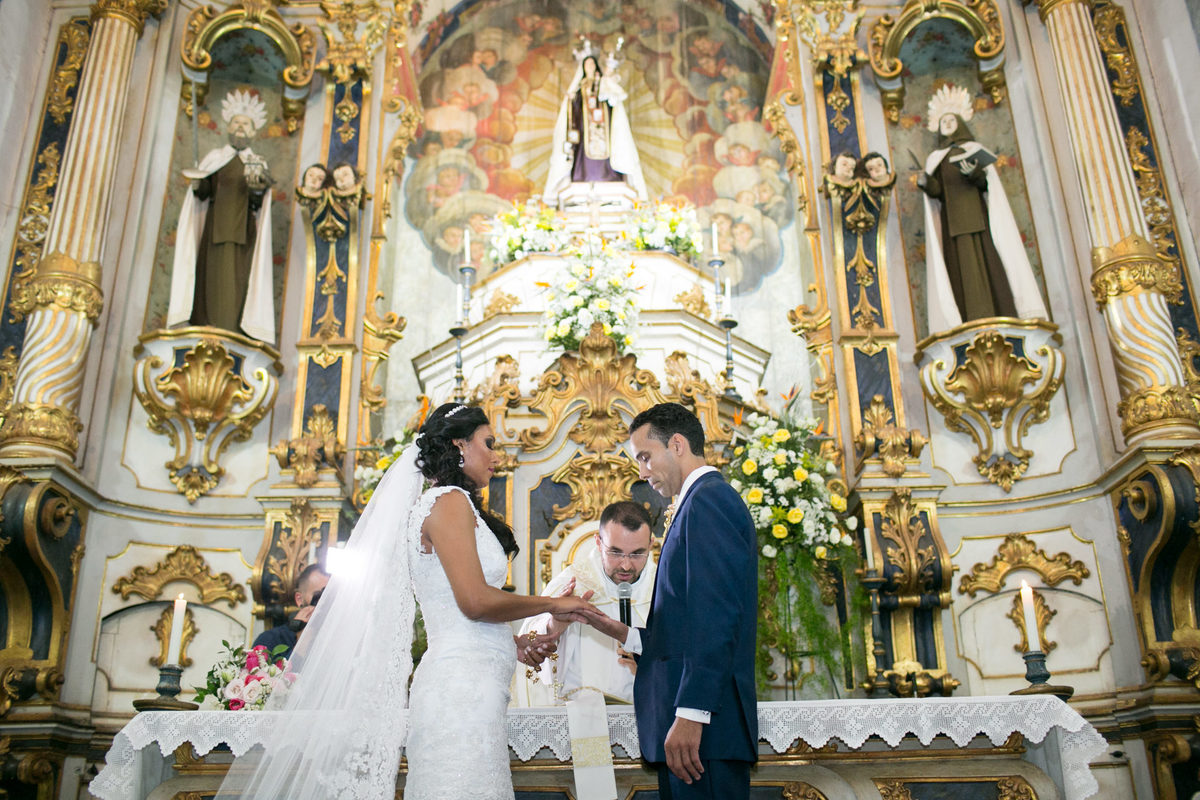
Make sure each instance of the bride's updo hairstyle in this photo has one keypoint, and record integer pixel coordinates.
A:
(438, 459)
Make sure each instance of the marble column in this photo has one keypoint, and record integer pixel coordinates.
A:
(62, 300)
(1132, 285)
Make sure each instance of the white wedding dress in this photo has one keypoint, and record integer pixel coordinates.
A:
(458, 739)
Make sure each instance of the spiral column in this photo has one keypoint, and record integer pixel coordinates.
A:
(1131, 284)
(62, 300)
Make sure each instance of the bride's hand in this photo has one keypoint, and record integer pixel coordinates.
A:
(572, 609)
(533, 649)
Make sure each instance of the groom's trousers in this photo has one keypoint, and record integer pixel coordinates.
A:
(722, 780)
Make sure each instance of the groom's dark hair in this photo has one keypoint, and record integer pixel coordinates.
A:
(666, 420)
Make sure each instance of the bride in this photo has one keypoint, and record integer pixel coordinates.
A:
(342, 725)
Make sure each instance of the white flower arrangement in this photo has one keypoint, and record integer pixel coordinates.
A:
(374, 461)
(595, 287)
(667, 226)
(242, 681)
(528, 228)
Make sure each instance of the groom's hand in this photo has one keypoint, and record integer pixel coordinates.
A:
(683, 749)
(607, 625)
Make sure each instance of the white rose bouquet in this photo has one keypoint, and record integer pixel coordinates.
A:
(528, 228)
(667, 226)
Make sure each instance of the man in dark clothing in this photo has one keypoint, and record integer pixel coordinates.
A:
(309, 585)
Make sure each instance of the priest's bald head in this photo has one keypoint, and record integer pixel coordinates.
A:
(624, 541)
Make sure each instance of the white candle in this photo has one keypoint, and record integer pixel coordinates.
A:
(728, 298)
(868, 548)
(467, 246)
(1032, 634)
(458, 303)
(175, 643)
(716, 249)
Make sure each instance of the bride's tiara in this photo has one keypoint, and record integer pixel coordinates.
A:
(454, 411)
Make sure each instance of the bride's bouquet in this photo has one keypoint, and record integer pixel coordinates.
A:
(242, 681)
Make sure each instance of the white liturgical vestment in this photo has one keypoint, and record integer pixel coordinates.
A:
(587, 658)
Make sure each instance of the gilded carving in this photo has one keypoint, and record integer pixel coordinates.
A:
(993, 388)
(705, 399)
(317, 447)
(594, 481)
(1042, 612)
(286, 553)
(801, 791)
(132, 11)
(500, 302)
(497, 395)
(35, 214)
(1155, 207)
(980, 17)
(379, 334)
(1018, 551)
(903, 526)
(393, 163)
(893, 789)
(599, 382)
(775, 116)
(879, 434)
(298, 44)
(1146, 407)
(184, 563)
(830, 29)
(1130, 266)
(162, 632)
(59, 280)
(350, 54)
(202, 405)
(37, 423)
(694, 301)
(1014, 789)
(1119, 59)
(60, 102)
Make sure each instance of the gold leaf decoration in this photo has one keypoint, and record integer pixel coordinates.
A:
(1018, 551)
(184, 563)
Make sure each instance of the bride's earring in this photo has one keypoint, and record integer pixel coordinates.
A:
(462, 459)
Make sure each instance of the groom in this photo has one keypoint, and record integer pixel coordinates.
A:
(694, 691)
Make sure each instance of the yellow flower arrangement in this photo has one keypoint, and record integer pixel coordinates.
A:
(837, 503)
(779, 531)
(780, 459)
(780, 436)
(754, 496)
(795, 516)
(800, 474)
(749, 467)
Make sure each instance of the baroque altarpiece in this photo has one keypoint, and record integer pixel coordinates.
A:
(958, 233)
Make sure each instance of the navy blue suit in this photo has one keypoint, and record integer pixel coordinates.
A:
(698, 645)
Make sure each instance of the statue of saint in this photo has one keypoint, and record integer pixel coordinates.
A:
(974, 258)
(592, 139)
(222, 274)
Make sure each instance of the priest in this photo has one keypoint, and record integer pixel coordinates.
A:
(588, 659)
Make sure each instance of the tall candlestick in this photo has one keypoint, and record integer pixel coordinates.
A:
(458, 303)
(1032, 634)
(716, 249)
(728, 297)
(467, 245)
(175, 643)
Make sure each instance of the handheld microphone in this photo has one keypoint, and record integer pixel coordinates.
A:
(624, 596)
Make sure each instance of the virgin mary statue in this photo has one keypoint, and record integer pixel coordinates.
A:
(592, 139)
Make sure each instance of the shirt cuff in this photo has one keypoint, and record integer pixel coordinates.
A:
(633, 642)
(694, 714)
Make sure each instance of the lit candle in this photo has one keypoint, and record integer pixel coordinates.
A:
(1032, 634)
(458, 304)
(728, 297)
(175, 643)
(467, 246)
(716, 249)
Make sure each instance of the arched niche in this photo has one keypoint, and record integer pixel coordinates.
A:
(981, 18)
(297, 44)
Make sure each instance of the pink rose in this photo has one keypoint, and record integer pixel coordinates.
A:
(252, 660)
(252, 678)
(236, 705)
(281, 664)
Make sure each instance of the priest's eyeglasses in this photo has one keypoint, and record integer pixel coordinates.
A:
(620, 555)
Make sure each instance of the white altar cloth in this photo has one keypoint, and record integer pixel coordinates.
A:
(130, 763)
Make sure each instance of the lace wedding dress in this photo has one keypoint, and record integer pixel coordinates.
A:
(458, 740)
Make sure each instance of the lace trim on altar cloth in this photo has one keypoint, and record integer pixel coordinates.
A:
(530, 731)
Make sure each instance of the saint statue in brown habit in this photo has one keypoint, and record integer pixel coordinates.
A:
(222, 272)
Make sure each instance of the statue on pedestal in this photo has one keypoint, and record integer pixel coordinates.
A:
(222, 272)
(592, 140)
(975, 260)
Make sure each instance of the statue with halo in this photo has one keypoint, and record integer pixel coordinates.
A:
(975, 262)
(592, 140)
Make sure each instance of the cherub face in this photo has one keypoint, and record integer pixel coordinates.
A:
(843, 168)
(763, 191)
(453, 236)
(448, 177)
(876, 169)
(724, 223)
(344, 178)
(314, 178)
(745, 196)
(742, 234)
(948, 124)
(479, 223)
(741, 155)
